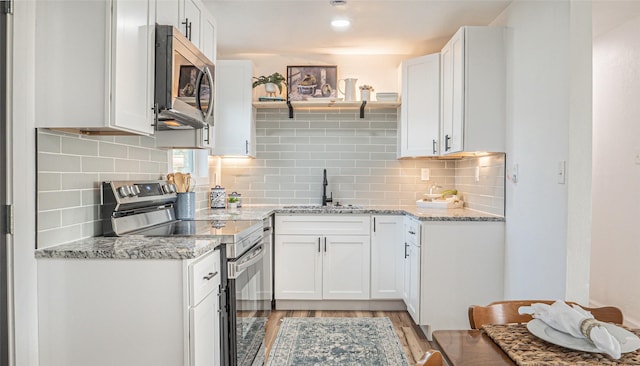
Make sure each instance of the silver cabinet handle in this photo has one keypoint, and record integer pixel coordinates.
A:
(446, 142)
(210, 276)
(325, 244)
(405, 250)
(434, 146)
(246, 146)
(412, 232)
(318, 244)
(374, 224)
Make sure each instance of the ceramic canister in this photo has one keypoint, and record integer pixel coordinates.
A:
(218, 197)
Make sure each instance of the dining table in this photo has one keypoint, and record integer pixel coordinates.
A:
(513, 344)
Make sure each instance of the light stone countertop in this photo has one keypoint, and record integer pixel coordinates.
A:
(422, 214)
(181, 247)
(131, 247)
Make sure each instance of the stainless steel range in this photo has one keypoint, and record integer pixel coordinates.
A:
(145, 208)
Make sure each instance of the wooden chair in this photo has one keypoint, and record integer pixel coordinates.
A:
(505, 312)
(431, 358)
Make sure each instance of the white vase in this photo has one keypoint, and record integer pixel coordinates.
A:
(271, 89)
(232, 205)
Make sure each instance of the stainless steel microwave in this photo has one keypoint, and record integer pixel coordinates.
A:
(184, 83)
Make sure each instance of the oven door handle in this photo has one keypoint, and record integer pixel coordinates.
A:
(246, 261)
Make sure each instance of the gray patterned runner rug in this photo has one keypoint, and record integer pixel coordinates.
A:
(336, 341)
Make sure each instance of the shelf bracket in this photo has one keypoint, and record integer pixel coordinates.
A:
(364, 103)
(290, 108)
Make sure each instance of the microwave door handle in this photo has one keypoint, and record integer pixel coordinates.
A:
(198, 85)
(209, 76)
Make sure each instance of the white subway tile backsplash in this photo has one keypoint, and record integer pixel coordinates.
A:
(49, 182)
(97, 164)
(70, 169)
(74, 146)
(48, 162)
(48, 143)
(112, 150)
(360, 157)
(80, 180)
(53, 200)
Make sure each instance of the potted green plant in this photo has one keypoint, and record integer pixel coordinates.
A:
(233, 202)
(270, 83)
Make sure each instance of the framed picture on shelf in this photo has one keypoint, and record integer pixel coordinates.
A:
(311, 82)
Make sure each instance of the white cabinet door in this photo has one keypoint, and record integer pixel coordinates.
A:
(453, 93)
(345, 269)
(209, 37)
(168, 12)
(108, 84)
(420, 109)
(205, 332)
(193, 14)
(133, 65)
(298, 267)
(387, 257)
(473, 91)
(462, 265)
(413, 291)
(235, 115)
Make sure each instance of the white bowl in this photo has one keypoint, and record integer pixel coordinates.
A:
(432, 195)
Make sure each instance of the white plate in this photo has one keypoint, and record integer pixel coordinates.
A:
(629, 342)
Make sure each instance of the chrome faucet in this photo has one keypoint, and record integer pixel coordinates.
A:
(324, 190)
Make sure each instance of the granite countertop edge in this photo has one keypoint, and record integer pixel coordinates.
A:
(136, 247)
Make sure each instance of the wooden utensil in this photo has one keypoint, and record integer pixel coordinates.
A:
(179, 180)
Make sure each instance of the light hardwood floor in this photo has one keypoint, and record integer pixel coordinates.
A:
(413, 341)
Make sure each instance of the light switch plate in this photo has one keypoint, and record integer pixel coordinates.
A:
(424, 174)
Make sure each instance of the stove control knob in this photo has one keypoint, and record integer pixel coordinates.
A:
(135, 190)
(124, 191)
(166, 188)
(172, 188)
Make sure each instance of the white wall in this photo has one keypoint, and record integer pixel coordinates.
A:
(25, 314)
(380, 71)
(616, 172)
(538, 114)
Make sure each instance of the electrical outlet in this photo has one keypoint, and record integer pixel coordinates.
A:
(562, 171)
(514, 173)
(477, 174)
(424, 174)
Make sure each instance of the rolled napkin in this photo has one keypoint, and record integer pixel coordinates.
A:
(577, 322)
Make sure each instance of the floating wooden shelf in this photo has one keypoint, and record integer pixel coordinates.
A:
(326, 105)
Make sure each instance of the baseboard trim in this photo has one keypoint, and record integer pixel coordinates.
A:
(346, 305)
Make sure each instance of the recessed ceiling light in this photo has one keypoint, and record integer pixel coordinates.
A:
(340, 23)
(338, 2)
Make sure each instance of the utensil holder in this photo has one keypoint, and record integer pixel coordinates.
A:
(186, 206)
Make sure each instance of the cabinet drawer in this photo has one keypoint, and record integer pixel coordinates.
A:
(204, 275)
(322, 224)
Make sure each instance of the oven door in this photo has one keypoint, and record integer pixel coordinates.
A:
(248, 306)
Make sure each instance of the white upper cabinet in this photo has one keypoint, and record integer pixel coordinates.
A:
(235, 122)
(193, 20)
(94, 65)
(420, 111)
(473, 91)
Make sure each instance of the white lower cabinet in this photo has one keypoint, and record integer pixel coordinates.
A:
(387, 257)
(462, 264)
(412, 260)
(127, 312)
(332, 264)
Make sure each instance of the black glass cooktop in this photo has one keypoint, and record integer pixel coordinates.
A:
(201, 228)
